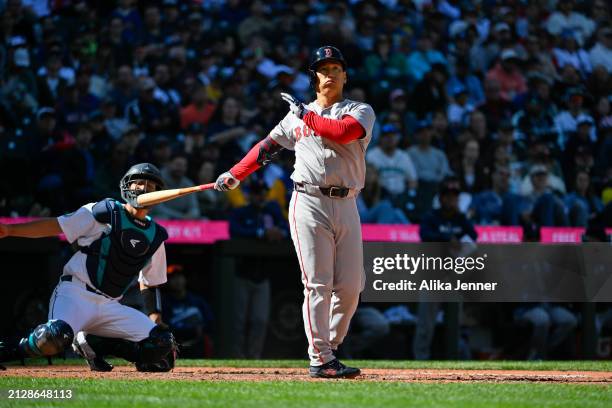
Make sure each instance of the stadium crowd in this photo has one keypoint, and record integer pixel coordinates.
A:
(513, 97)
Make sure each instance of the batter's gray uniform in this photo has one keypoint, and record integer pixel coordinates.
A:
(326, 232)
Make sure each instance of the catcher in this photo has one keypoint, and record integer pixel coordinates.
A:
(117, 244)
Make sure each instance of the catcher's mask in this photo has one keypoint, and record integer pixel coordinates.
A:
(322, 54)
(142, 171)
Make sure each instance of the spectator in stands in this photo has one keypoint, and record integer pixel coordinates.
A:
(200, 110)
(497, 206)
(377, 210)
(147, 112)
(212, 204)
(508, 75)
(125, 88)
(259, 219)
(566, 19)
(226, 129)
(395, 169)
(431, 165)
(398, 105)
(546, 207)
(51, 84)
(188, 315)
(423, 58)
(582, 203)
(430, 93)
(195, 138)
(471, 170)
(460, 107)
(183, 208)
(601, 53)
(495, 107)
(566, 122)
(463, 78)
(569, 52)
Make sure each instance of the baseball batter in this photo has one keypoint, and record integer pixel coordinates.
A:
(117, 244)
(329, 136)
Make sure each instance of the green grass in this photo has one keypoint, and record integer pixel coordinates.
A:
(408, 364)
(285, 394)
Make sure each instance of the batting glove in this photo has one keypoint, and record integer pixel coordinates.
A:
(295, 106)
(226, 182)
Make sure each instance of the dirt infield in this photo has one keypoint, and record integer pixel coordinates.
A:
(294, 374)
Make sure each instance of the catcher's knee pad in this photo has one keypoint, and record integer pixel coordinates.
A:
(158, 351)
(48, 339)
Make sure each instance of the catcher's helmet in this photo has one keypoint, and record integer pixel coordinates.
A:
(142, 171)
(322, 54)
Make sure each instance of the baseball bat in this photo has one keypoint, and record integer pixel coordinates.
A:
(156, 197)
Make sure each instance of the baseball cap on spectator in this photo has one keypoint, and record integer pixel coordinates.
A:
(584, 120)
(459, 89)
(389, 129)
(423, 124)
(16, 41)
(457, 28)
(509, 54)
(396, 93)
(501, 27)
(450, 185)
(44, 112)
(21, 57)
(538, 169)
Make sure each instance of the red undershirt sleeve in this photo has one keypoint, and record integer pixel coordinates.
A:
(341, 131)
(250, 162)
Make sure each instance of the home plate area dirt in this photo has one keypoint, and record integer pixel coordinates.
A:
(294, 374)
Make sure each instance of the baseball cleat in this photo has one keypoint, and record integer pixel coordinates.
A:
(94, 362)
(333, 369)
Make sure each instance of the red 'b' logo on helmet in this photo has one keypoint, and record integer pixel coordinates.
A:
(328, 52)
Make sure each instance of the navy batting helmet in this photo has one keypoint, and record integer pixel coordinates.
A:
(142, 171)
(327, 53)
(322, 54)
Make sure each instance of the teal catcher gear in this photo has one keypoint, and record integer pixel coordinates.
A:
(115, 259)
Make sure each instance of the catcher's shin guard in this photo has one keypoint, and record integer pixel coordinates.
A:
(158, 352)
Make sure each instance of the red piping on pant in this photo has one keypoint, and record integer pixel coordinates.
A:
(297, 238)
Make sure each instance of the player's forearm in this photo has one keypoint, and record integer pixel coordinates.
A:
(341, 131)
(258, 156)
(46, 227)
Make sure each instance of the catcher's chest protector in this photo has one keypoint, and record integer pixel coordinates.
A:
(115, 259)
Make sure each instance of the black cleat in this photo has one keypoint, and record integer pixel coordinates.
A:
(95, 363)
(333, 369)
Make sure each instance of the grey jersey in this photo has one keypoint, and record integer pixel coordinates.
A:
(320, 161)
